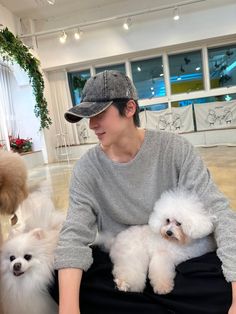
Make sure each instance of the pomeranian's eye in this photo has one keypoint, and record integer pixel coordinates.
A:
(12, 257)
(27, 257)
(178, 224)
(167, 220)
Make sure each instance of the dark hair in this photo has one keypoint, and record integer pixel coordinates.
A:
(121, 103)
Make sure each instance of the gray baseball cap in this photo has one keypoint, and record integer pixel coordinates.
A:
(99, 93)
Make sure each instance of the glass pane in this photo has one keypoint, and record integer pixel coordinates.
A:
(76, 84)
(182, 103)
(155, 107)
(148, 78)
(117, 67)
(222, 66)
(186, 72)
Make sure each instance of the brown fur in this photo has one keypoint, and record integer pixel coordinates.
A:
(13, 184)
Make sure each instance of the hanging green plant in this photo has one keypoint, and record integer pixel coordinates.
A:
(13, 49)
(78, 82)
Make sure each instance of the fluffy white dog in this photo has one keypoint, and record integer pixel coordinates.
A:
(27, 258)
(179, 229)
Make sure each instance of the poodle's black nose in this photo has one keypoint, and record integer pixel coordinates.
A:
(17, 266)
(169, 233)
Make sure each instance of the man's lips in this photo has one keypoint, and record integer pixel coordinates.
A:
(99, 134)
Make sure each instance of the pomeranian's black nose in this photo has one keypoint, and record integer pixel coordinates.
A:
(169, 233)
(17, 266)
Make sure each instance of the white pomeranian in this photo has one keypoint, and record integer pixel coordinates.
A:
(179, 229)
(27, 258)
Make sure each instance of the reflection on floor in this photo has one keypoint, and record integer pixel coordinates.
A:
(221, 161)
(54, 178)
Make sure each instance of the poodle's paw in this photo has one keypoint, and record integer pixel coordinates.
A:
(163, 287)
(122, 285)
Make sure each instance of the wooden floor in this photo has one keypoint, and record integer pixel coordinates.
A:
(221, 161)
(55, 178)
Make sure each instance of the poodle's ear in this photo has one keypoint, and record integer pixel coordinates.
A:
(198, 226)
(38, 233)
(155, 222)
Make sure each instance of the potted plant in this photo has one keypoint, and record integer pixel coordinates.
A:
(20, 145)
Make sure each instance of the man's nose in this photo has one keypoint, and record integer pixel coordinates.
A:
(93, 123)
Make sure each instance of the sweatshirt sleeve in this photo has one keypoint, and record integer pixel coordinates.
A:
(79, 229)
(194, 176)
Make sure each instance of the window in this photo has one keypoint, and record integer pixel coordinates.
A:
(186, 72)
(148, 78)
(155, 107)
(76, 84)
(204, 100)
(117, 67)
(222, 66)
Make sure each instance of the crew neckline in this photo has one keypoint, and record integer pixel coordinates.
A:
(136, 157)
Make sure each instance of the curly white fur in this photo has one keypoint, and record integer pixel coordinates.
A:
(179, 229)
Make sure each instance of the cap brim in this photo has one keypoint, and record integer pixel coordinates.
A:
(86, 110)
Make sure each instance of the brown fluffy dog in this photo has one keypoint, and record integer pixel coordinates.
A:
(13, 184)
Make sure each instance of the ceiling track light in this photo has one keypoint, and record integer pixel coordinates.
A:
(51, 2)
(77, 34)
(127, 23)
(176, 14)
(63, 37)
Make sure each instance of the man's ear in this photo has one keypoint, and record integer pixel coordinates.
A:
(130, 108)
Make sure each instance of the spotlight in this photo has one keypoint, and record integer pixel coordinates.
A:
(51, 2)
(139, 69)
(176, 14)
(77, 34)
(198, 68)
(63, 37)
(127, 23)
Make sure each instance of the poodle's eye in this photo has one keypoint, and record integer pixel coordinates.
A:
(178, 224)
(167, 220)
(12, 257)
(27, 257)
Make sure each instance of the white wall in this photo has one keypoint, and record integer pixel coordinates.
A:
(7, 19)
(22, 95)
(23, 102)
(110, 39)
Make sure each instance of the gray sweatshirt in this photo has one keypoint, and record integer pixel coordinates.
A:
(111, 196)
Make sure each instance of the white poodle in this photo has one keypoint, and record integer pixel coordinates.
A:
(179, 228)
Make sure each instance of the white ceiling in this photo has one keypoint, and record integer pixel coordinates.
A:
(68, 12)
(40, 9)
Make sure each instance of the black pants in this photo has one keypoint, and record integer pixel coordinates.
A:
(200, 288)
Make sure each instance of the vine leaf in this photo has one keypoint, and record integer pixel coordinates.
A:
(13, 49)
